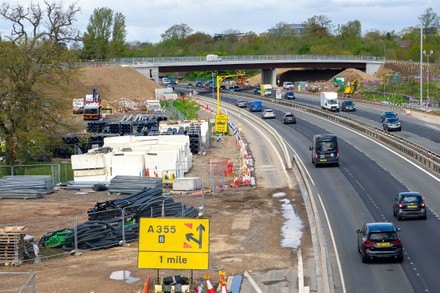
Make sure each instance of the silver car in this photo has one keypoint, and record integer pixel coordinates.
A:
(268, 114)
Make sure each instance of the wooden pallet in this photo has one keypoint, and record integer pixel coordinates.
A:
(12, 244)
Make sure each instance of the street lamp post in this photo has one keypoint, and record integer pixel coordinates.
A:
(427, 73)
(213, 85)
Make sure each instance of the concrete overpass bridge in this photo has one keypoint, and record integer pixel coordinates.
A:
(313, 67)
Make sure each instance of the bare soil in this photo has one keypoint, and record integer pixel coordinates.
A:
(245, 222)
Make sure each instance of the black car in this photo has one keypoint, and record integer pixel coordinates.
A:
(347, 106)
(379, 240)
(391, 124)
(289, 96)
(257, 91)
(388, 114)
(409, 205)
(223, 88)
(289, 118)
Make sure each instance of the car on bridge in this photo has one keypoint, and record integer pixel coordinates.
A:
(409, 205)
(257, 91)
(235, 88)
(379, 240)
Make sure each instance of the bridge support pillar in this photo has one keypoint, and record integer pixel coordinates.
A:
(269, 76)
(150, 72)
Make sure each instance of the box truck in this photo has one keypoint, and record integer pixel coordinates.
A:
(329, 101)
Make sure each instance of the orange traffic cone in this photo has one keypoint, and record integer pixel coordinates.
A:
(147, 285)
(147, 172)
(235, 183)
(209, 285)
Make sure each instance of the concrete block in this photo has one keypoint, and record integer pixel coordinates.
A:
(187, 183)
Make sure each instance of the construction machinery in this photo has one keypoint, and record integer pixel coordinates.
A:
(351, 88)
(167, 179)
(92, 106)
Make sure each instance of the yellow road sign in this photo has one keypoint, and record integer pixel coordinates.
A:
(221, 123)
(173, 243)
(173, 260)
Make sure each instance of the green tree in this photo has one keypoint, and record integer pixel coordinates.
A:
(177, 31)
(430, 21)
(34, 65)
(118, 35)
(105, 36)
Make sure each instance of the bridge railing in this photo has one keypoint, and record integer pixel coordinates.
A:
(245, 58)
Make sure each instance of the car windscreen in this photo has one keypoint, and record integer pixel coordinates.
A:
(382, 236)
(326, 146)
(348, 103)
(391, 120)
(288, 115)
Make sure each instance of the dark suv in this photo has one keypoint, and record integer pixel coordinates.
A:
(408, 205)
(379, 240)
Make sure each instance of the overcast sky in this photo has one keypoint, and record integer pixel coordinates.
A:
(146, 20)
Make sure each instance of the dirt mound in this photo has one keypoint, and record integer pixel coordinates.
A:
(114, 83)
(352, 74)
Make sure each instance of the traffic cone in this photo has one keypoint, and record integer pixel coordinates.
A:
(223, 288)
(147, 172)
(248, 178)
(235, 184)
(209, 285)
(243, 178)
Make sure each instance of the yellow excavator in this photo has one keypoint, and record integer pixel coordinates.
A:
(351, 88)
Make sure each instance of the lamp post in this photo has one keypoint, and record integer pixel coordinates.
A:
(213, 85)
(427, 73)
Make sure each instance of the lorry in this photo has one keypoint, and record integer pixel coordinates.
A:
(92, 106)
(213, 58)
(266, 90)
(255, 106)
(329, 101)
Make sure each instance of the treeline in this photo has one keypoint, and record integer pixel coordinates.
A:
(317, 35)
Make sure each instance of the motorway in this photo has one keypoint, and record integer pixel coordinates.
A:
(361, 190)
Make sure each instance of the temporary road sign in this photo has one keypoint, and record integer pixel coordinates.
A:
(173, 243)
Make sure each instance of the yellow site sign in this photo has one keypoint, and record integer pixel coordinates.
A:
(221, 123)
(173, 243)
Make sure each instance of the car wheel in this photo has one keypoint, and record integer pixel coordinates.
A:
(364, 257)
(425, 217)
(400, 258)
(394, 212)
(399, 218)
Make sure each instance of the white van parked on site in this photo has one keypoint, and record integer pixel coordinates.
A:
(213, 58)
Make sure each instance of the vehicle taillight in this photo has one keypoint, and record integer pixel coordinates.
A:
(316, 154)
(400, 205)
(423, 204)
(368, 243)
(337, 154)
(396, 242)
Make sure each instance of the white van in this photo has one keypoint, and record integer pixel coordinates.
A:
(213, 58)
